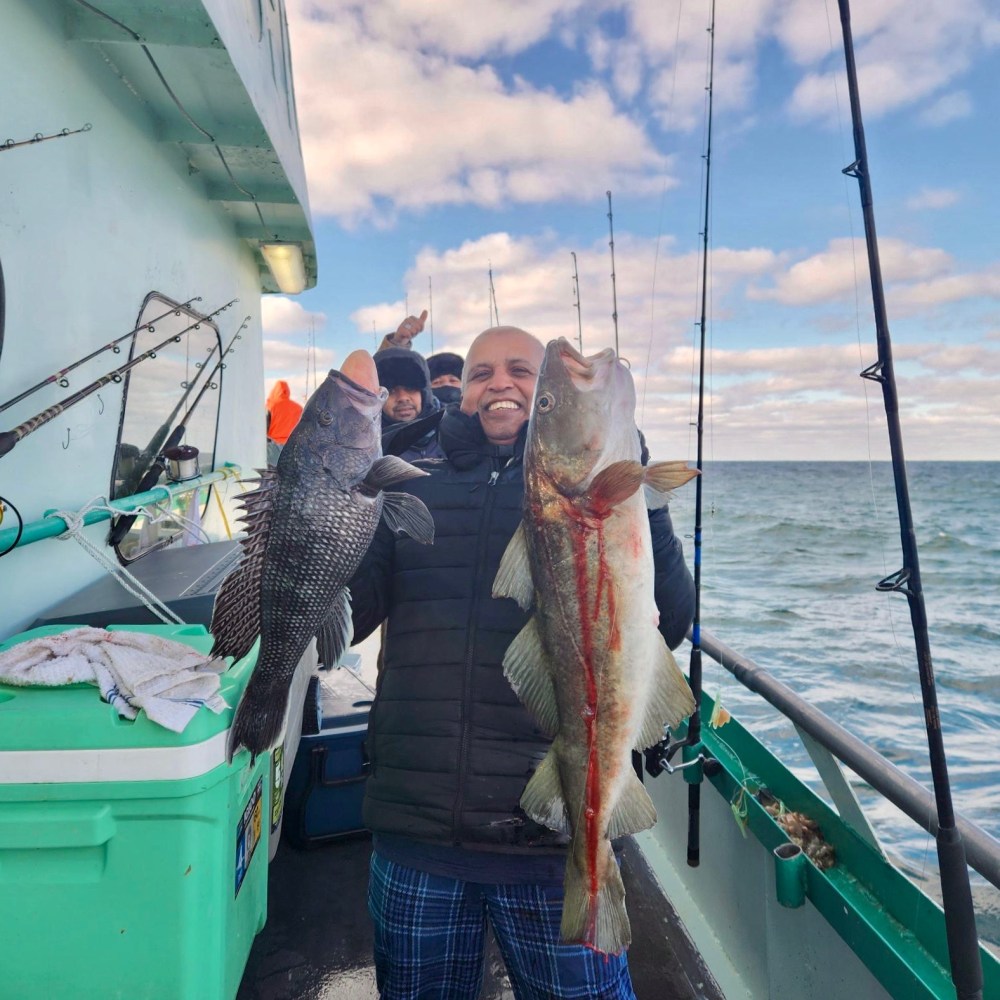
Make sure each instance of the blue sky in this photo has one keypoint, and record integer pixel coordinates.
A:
(445, 138)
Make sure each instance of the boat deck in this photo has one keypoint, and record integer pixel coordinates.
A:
(317, 944)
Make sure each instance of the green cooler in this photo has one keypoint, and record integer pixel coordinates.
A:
(133, 860)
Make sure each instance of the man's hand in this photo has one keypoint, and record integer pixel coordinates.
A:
(408, 329)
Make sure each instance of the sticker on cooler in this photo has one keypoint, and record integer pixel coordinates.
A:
(248, 833)
(277, 782)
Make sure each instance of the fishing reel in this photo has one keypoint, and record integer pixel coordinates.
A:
(658, 757)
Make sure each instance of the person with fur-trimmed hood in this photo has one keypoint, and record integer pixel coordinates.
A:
(411, 413)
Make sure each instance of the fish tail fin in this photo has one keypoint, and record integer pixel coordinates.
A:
(594, 907)
(257, 723)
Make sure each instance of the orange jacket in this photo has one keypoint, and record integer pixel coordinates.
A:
(284, 411)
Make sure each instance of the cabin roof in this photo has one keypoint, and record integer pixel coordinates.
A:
(215, 79)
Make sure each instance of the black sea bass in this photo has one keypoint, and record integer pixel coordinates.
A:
(309, 523)
(590, 664)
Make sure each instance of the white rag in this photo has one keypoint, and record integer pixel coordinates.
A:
(168, 680)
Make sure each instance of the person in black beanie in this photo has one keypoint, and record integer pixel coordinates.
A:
(411, 402)
(446, 376)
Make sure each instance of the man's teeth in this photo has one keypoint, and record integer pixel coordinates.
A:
(503, 404)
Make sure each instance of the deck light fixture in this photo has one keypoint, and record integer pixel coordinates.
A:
(287, 266)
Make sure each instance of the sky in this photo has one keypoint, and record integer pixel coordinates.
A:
(445, 140)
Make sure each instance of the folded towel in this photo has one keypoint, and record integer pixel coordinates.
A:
(168, 680)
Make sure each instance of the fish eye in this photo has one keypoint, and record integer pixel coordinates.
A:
(545, 402)
(324, 418)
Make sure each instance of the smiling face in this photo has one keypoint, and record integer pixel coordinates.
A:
(403, 403)
(499, 378)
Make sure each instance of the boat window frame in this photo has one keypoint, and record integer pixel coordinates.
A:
(166, 302)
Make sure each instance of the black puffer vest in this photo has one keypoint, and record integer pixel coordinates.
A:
(451, 747)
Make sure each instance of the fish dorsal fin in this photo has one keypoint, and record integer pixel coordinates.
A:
(334, 635)
(404, 512)
(670, 699)
(236, 612)
(390, 470)
(543, 798)
(527, 668)
(634, 810)
(661, 478)
(613, 484)
(513, 578)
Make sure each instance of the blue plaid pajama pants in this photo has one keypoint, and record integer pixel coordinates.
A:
(430, 935)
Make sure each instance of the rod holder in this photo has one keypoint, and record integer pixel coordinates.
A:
(790, 875)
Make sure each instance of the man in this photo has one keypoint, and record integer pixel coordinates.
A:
(404, 373)
(405, 332)
(283, 414)
(450, 745)
(446, 376)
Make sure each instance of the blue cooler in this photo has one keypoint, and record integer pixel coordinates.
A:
(327, 783)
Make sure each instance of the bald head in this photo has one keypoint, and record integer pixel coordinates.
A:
(498, 380)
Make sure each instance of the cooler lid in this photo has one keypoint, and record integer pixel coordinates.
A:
(61, 724)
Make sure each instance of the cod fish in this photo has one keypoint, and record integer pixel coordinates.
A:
(590, 664)
(309, 524)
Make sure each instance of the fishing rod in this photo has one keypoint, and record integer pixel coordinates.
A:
(10, 438)
(155, 445)
(576, 286)
(695, 671)
(493, 299)
(430, 305)
(151, 477)
(60, 376)
(959, 914)
(614, 287)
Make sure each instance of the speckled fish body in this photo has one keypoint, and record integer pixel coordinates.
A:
(309, 524)
(590, 663)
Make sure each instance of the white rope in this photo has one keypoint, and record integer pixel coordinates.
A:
(74, 529)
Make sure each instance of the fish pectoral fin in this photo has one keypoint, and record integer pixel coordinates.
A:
(236, 611)
(613, 484)
(661, 478)
(527, 668)
(514, 575)
(634, 810)
(670, 699)
(596, 919)
(389, 471)
(334, 635)
(405, 512)
(543, 798)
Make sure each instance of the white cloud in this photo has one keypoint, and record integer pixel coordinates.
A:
(282, 316)
(843, 267)
(932, 198)
(947, 108)
(282, 359)
(387, 125)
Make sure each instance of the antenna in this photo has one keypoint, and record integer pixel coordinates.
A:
(576, 287)
(614, 290)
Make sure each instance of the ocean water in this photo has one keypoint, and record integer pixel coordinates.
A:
(791, 555)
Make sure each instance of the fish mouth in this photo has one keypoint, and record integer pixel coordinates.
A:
(585, 373)
(359, 395)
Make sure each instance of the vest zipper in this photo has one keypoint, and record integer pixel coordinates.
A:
(470, 643)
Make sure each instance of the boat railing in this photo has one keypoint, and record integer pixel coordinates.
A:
(51, 525)
(982, 851)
